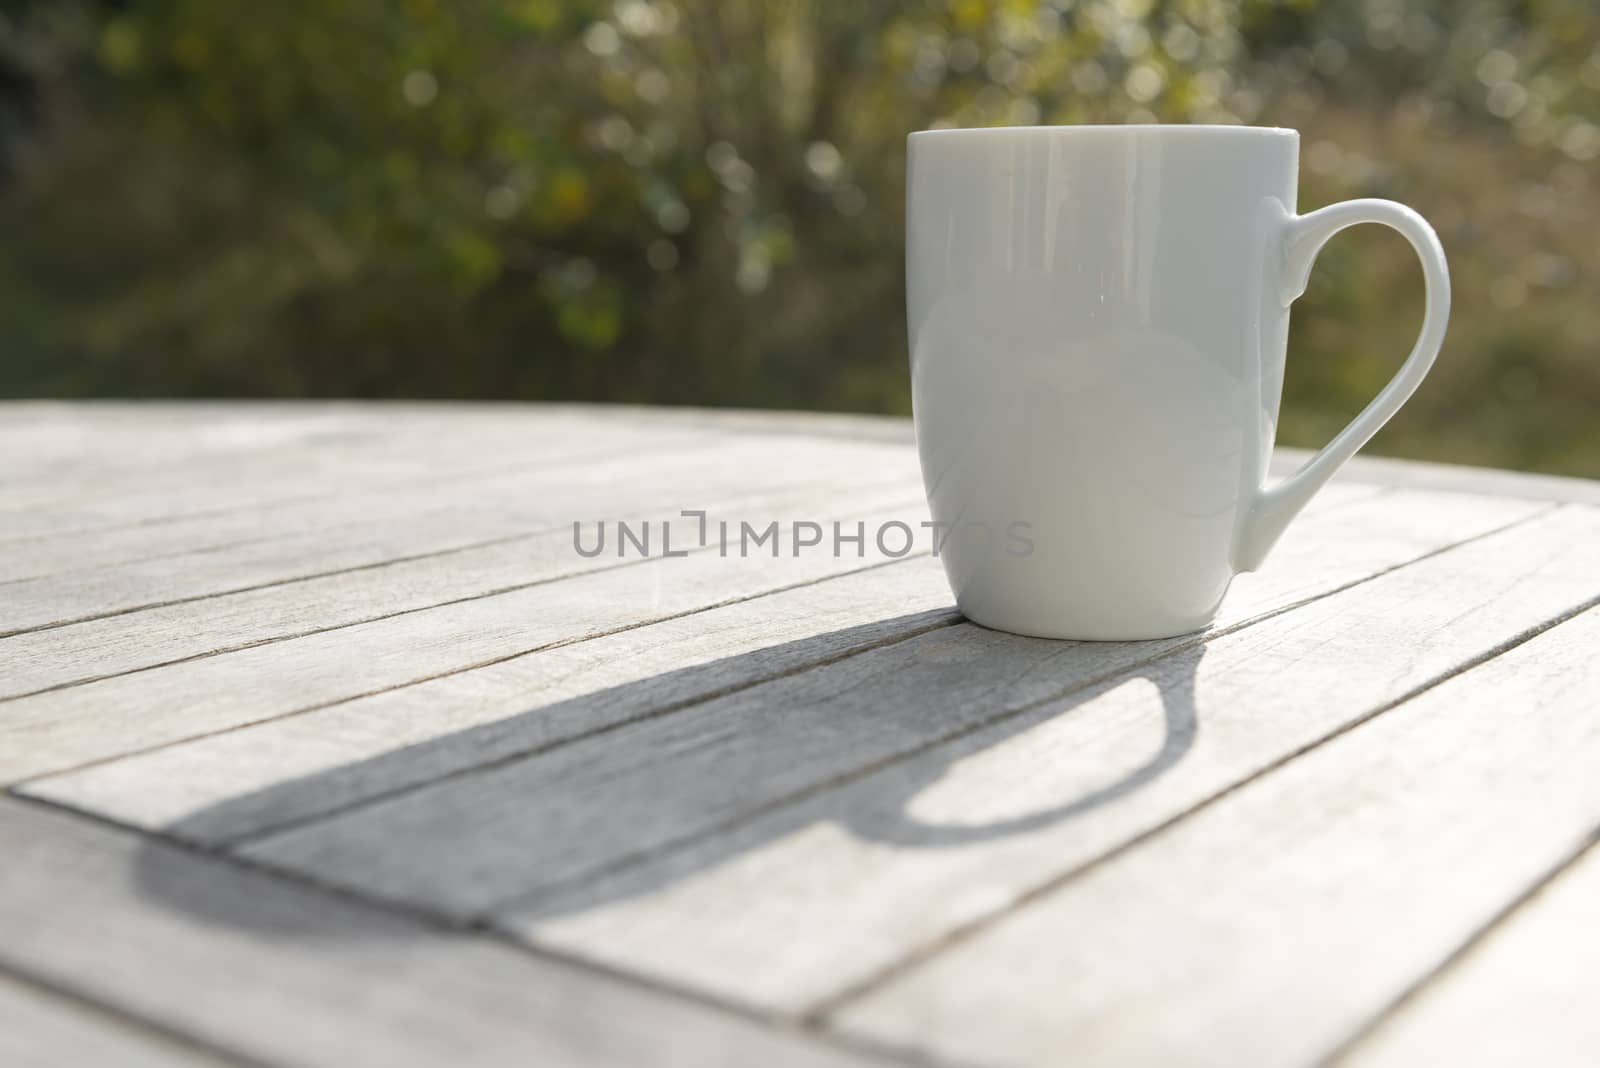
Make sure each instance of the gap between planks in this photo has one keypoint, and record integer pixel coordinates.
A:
(1502, 923)
(1161, 652)
(299, 488)
(825, 1010)
(1282, 598)
(654, 430)
(871, 497)
(269, 829)
(362, 899)
(488, 662)
(849, 1051)
(866, 771)
(311, 513)
(535, 531)
(221, 530)
(84, 1030)
(626, 920)
(1293, 886)
(96, 720)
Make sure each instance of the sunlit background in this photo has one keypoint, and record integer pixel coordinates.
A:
(700, 201)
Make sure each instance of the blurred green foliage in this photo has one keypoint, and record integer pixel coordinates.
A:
(701, 200)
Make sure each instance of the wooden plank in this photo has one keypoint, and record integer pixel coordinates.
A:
(1269, 927)
(218, 788)
(295, 464)
(489, 496)
(640, 434)
(50, 432)
(39, 1029)
(892, 429)
(281, 973)
(1459, 478)
(122, 466)
(80, 441)
(1525, 995)
(254, 547)
(561, 693)
(85, 442)
(538, 826)
(317, 472)
(407, 451)
(485, 544)
(1396, 473)
(92, 448)
(819, 896)
(64, 728)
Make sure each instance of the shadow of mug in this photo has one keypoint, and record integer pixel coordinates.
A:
(872, 796)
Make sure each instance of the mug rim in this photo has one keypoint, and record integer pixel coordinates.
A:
(1112, 129)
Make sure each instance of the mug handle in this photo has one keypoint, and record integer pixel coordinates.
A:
(1303, 238)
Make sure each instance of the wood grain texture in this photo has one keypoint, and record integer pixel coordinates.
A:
(672, 780)
(472, 477)
(418, 451)
(296, 463)
(70, 445)
(126, 442)
(82, 447)
(841, 889)
(347, 654)
(101, 572)
(43, 439)
(1525, 995)
(286, 975)
(39, 1029)
(218, 787)
(1458, 478)
(37, 433)
(305, 582)
(64, 728)
(1273, 924)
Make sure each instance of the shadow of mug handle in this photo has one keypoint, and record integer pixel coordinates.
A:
(900, 828)
(1303, 237)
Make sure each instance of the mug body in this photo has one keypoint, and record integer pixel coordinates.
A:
(1097, 347)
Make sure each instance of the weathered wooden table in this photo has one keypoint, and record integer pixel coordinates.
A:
(324, 745)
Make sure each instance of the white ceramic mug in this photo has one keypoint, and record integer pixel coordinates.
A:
(1098, 318)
